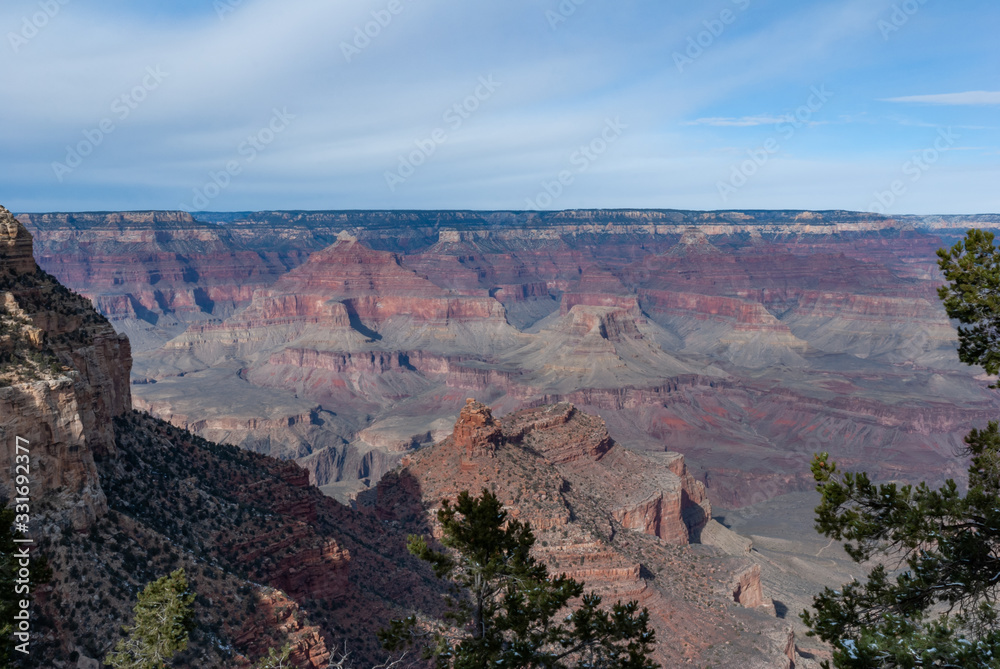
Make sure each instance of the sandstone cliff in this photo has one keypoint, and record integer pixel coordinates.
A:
(621, 522)
(64, 376)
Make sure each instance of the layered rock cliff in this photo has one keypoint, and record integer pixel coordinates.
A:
(154, 273)
(119, 499)
(619, 521)
(805, 331)
(64, 377)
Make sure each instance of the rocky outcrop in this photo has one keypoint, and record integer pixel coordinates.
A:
(558, 469)
(650, 493)
(667, 502)
(275, 615)
(15, 246)
(560, 433)
(45, 418)
(747, 590)
(476, 434)
(65, 377)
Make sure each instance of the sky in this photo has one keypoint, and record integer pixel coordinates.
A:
(886, 106)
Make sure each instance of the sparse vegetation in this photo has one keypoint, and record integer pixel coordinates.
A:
(164, 619)
(506, 609)
(931, 601)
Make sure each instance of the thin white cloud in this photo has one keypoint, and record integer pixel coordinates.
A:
(353, 120)
(740, 122)
(967, 98)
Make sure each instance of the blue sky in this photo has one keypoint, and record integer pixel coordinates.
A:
(873, 105)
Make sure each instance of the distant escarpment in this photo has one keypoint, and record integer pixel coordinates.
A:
(745, 340)
(153, 273)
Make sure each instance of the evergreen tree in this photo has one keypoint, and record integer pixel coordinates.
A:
(506, 608)
(164, 618)
(275, 659)
(932, 599)
(972, 297)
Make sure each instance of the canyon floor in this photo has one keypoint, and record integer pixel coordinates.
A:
(796, 562)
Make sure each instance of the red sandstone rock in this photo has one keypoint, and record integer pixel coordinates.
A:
(747, 589)
(276, 613)
(476, 432)
(557, 468)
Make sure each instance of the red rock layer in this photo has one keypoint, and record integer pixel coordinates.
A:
(557, 468)
(476, 432)
(744, 315)
(145, 265)
(276, 615)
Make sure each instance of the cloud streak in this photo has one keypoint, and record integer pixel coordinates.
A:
(967, 98)
(741, 122)
(354, 119)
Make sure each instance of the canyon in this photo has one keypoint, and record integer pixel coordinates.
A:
(345, 340)
(122, 497)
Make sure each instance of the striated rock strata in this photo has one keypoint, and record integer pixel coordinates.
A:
(362, 331)
(558, 469)
(63, 379)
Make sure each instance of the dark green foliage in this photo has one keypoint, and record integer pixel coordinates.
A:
(972, 297)
(275, 659)
(164, 619)
(505, 611)
(931, 599)
(947, 547)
